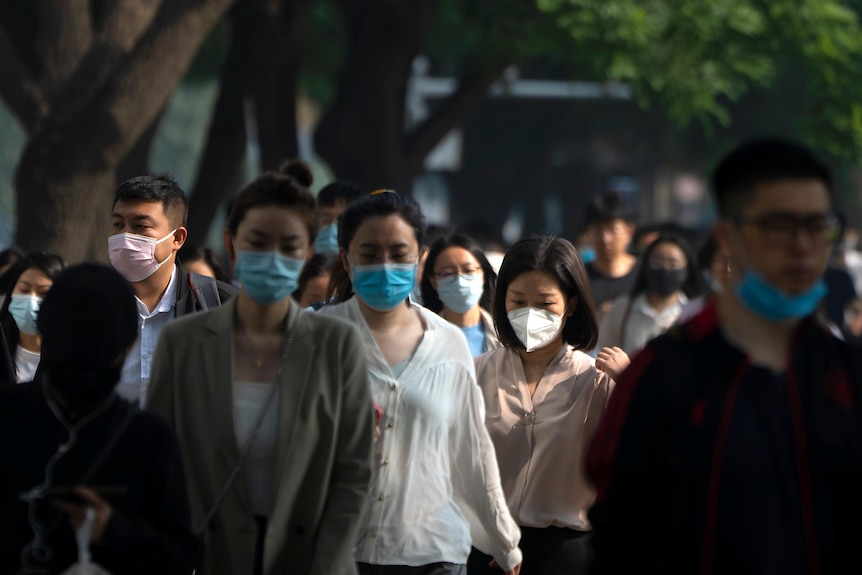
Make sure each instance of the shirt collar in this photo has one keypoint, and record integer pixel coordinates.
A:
(641, 305)
(168, 301)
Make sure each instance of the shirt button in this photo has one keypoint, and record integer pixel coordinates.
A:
(390, 425)
(380, 498)
(373, 534)
(393, 386)
(386, 461)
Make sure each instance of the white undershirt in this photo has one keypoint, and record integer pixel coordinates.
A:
(259, 469)
(26, 363)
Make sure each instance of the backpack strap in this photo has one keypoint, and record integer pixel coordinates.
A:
(205, 291)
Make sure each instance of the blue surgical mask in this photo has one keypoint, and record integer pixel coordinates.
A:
(772, 304)
(267, 277)
(24, 309)
(461, 293)
(383, 286)
(587, 255)
(327, 240)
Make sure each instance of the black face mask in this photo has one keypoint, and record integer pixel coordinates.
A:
(662, 282)
(82, 389)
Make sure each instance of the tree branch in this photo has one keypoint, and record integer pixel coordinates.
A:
(18, 88)
(65, 35)
(472, 88)
(119, 31)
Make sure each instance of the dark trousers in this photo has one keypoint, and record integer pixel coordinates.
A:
(432, 569)
(547, 551)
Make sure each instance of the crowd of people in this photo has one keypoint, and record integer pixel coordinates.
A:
(350, 391)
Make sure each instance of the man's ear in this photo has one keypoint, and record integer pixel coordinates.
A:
(180, 236)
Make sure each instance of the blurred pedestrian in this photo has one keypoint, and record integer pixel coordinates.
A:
(203, 262)
(313, 283)
(666, 279)
(733, 444)
(610, 225)
(272, 405)
(148, 228)
(71, 445)
(32, 278)
(435, 481)
(544, 400)
(332, 200)
(458, 283)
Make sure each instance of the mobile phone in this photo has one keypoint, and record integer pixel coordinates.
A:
(67, 492)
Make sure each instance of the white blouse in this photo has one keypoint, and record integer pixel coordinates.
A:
(643, 323)
(541, 441)
(435, 484)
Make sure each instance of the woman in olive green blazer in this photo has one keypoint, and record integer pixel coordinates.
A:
(314, 477)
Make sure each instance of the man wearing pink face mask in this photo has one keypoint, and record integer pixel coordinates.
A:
(147, 229)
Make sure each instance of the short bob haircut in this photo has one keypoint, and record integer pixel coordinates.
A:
(558, 258)
(277, 191)
(430, 298)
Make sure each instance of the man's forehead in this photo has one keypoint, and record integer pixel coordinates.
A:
(133, 208)
(802, 197)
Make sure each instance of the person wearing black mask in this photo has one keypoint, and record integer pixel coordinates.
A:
(666, 280)
(122, 464)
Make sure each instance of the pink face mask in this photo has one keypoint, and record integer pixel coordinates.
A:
(134, 256)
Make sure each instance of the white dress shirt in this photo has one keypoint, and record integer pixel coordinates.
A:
(436, 484)
(642, 324)
(541, 441)
(135, 377)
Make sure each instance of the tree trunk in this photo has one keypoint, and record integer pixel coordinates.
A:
(361, 134)
(220, 167)
(137, 161)
(279, 43)
(66, 176)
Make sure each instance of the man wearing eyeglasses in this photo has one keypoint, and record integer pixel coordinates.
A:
(733, 444)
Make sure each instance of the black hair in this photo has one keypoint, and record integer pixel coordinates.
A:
(430, 299)
(51, 265)
(379, 204)
(275, 190)
(762, 161)
(707, 252)
(558, 258)
(8, 257)
(608, 207)
(331, 193)
(160, 188)
(298, 170)
(318, 265)
(192, 253)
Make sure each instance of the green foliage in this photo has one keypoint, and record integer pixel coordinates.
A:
(324, 53)
(694, 57)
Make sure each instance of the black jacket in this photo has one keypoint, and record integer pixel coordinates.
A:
(707, 464)
(149, 530)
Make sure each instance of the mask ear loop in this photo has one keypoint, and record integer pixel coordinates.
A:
(37, 548)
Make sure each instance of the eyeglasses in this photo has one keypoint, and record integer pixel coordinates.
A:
(780, 229)
(452, 272)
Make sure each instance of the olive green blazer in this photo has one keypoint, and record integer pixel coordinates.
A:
(324, 445)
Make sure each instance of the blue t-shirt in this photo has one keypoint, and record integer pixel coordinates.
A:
(475, 338)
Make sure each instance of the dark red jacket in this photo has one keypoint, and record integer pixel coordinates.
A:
(679, 492)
